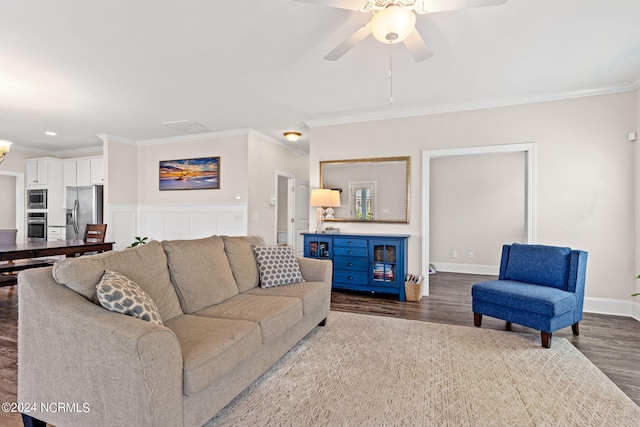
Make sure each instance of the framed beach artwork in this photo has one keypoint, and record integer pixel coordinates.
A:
(190, 174)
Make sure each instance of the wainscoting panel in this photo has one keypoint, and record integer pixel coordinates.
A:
(173, 222)
(121, 225)
(203, 224)
(192, 222)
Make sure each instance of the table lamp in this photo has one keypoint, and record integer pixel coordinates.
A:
(320, 197)
(335, 202)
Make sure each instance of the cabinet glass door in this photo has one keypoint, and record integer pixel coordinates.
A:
(384, 263)
(317, 248)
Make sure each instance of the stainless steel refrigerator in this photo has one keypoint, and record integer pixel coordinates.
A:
(84, 206)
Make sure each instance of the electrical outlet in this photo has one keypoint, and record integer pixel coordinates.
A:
(454, 254)
(470, 254)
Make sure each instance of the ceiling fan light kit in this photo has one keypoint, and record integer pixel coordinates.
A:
(393, 24)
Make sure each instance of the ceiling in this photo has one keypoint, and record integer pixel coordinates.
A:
(121, 67)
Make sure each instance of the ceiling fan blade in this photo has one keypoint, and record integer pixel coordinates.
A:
(444, 5)
(350, 42)
(340, 4)
(417, 47)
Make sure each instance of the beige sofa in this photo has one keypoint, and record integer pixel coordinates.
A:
(81, 364)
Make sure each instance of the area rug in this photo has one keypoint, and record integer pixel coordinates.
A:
(362, 370)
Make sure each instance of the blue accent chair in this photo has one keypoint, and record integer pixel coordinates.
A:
(541, 287)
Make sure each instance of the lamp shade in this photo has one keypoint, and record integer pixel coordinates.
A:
(393, 24)
(320, 197)
(335, 198)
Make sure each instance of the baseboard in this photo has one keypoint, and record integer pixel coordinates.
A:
(614, 307)
(635, 310)
(491, 270)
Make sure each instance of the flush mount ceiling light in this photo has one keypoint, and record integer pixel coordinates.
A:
(5, 147)
(49, 133)
(292, 136)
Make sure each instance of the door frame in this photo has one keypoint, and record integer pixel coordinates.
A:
(290, 207)
(529, 177)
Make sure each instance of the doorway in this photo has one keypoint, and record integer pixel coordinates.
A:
(529, 211)
(292, 211)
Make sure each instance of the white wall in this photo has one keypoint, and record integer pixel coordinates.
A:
(8, 197)
(477, 205)
(248, 162)
(584, 177)
(265, 159)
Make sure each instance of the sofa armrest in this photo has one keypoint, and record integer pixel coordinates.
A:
(316, 270)
(111, 368)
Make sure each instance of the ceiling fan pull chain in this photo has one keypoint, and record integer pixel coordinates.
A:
(390, 76)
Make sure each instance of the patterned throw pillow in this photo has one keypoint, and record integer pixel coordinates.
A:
(277, 266)
(121, 295)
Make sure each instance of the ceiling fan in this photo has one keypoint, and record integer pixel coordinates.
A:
(394, 21)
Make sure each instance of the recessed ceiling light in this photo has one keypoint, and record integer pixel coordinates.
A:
(50, 133)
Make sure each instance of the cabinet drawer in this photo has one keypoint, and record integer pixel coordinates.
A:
(350, 242)
(359, 277)
(349, 251)
(350, 263)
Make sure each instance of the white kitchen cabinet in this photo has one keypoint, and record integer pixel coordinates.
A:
(83, 172)
(97, 171)
(37, 172)
(56, 233)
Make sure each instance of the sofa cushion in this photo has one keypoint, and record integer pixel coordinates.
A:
(118, 294)
(275, 315)
(314, 295)
(212, 347)
(539, 264)
(242, 261)
(200, 272)
(277, 265)
(146, 265)
(544, 300)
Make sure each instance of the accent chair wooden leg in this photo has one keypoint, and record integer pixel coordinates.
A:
(546, 339)
(477, 319)
(323, 323)
(29, 421)
(575, 329)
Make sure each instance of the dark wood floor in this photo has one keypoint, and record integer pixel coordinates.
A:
(612, 343)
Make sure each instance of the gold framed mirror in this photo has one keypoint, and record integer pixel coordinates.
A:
(371, 190)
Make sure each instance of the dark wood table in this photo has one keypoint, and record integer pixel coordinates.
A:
(30, 255)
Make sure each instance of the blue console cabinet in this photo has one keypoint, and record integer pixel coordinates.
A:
(363, 262)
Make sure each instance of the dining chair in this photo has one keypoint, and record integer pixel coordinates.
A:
(8, 236)
(95, 233)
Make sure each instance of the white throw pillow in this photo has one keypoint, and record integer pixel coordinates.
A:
(277, 266)
(119, 294)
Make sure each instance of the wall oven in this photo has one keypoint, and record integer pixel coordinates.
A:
(37, 199)
(36, 226)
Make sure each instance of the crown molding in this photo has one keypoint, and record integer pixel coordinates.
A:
(468, 106)
(193, 137)
(201, 136)
(110, 137)
(84, 151)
